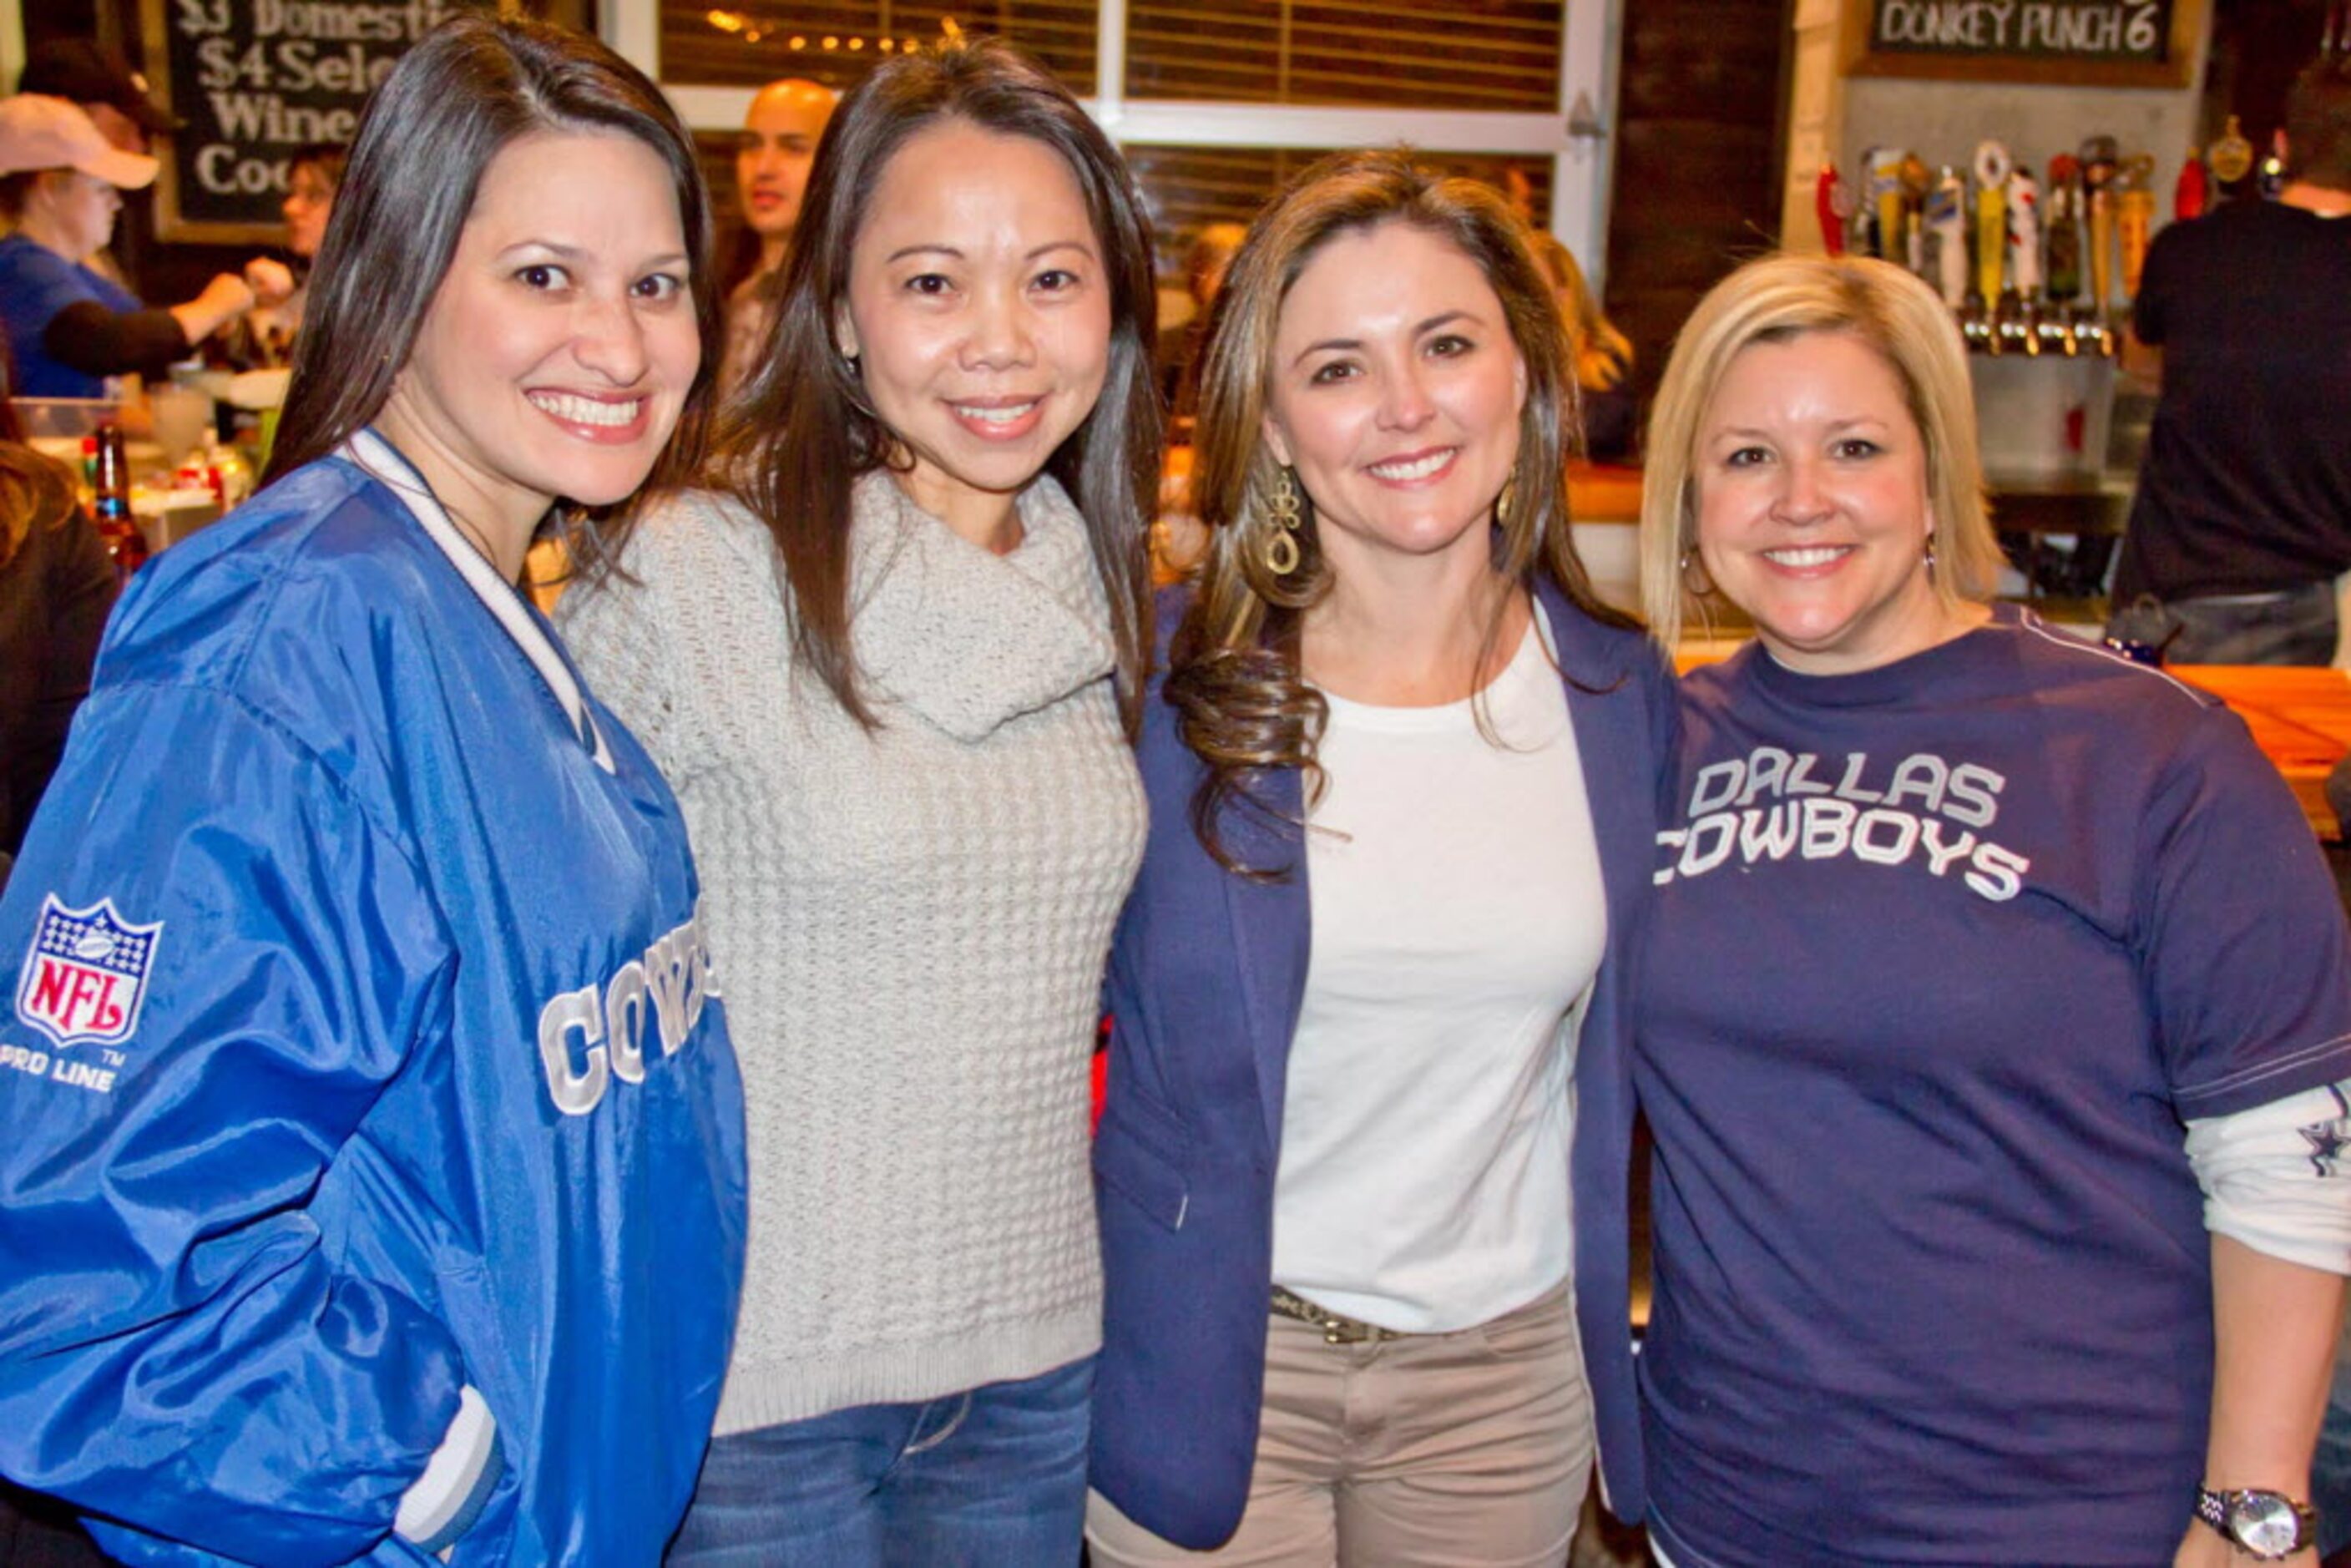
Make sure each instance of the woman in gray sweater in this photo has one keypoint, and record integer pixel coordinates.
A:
(891, 660)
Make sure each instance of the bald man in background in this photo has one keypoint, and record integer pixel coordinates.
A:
(771, 168)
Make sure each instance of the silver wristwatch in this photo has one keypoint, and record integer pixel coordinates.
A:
(2267, 1525)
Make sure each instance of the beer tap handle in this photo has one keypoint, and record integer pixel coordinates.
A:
(2024, 232)
(1861, 209)
(2063, 222)
(1993, 168)
(2194, 191)
(1830, 206)
(1947, 236)
(2135, 221)
(1917, 181)
(2099, 163)
(2102, 250)
(1887, 202)
(2019, 301)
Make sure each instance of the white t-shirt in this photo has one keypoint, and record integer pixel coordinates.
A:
(1457, 918)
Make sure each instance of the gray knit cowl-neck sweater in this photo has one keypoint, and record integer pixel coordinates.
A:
(909, 927)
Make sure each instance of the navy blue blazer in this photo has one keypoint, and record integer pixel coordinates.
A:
(1207, 973)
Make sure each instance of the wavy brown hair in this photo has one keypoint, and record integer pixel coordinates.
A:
(792, 445)
(35, 490)
(1234, 674)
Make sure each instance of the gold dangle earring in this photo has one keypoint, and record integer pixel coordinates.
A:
(1282, 555)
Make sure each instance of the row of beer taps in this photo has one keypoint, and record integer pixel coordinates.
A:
(2026, 267)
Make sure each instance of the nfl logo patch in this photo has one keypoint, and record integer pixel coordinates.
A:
(85, 973)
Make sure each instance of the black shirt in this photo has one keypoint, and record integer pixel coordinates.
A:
(2247, 483)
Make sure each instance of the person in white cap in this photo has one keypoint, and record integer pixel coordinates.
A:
(61, 184)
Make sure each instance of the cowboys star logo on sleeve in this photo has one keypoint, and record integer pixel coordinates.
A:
(85, 973)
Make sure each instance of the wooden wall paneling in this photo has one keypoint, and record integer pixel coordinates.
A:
(1699, 93)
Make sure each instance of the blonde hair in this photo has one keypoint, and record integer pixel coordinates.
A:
(1780, 297)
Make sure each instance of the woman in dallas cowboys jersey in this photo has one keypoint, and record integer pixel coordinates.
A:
(373, 1179)
(1996, 1011)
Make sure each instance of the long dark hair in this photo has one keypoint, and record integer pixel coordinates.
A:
(793, 444)
(1234, 674)
(471, 86)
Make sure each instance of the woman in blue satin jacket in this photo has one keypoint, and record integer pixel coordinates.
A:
(373, 1179)
(1366, 996)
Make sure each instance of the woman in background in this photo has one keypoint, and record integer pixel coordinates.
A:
(57, 584)
(312, 175)
(70, 329)
(1995, 1015)
(1603, 358)
(892, 659)
(374, 1178)
(1366, 998)
(1205, 260)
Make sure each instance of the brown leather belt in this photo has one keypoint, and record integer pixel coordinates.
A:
(1336, 1330)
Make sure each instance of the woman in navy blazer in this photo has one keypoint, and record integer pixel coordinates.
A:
(1387, 345)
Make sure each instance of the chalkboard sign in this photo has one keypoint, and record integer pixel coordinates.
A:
(256, 79)
(2079, 43)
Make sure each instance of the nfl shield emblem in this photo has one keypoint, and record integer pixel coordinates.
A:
(85, 973)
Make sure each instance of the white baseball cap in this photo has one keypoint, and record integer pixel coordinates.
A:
(38, 132)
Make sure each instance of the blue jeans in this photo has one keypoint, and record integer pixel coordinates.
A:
(2295, 626)
(2330, 1466)
(994, 1478)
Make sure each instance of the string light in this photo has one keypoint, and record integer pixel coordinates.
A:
(755, 29)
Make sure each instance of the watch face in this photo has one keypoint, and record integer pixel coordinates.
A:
(2265, 1525)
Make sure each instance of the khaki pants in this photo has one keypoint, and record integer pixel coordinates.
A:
(1465, 1451)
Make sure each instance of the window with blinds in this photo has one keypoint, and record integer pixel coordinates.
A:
(746, 42)
(1390, 60)
(1188, 188)
(1402, 54)
(1492, 55)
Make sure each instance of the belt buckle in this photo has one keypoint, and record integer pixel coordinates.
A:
(1336, 1330)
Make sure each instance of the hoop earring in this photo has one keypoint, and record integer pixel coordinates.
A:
(1503, 501)
(1282, 552)
(1930, 555)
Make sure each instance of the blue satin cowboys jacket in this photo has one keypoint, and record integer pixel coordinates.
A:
(358, 1045)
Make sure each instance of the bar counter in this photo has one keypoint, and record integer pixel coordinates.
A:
(2301, 718)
